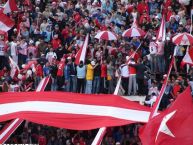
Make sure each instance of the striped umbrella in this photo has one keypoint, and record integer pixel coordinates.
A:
(133, 32)
(106, 35)
(183, 39)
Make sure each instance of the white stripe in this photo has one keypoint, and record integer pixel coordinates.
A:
(98, 136)
(70, 108)
(9, 128)
(83, 53)
(7, 8)
(4, 27)
(135, 32)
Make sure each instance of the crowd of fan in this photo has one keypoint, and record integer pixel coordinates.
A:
(49, 33)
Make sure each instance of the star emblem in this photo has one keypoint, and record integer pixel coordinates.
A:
(163, 126)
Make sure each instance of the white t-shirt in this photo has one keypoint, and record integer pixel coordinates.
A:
(13, 48)
(124, 70)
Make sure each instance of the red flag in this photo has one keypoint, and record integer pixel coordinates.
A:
(173, 126)
(5, 23)
(81, 54)
(10, 6)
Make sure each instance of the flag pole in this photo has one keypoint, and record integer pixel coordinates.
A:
(158, 101)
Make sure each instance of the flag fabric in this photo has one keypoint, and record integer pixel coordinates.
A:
(81, 54)
(5, 23)
(102, 131)
(67, 110)
(162, 31)
(10, 6)
(14, 124)
(14, 68)
(173, 126)
(188, 58)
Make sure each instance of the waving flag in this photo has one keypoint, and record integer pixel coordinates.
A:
(14, 68)
(162, 31)
(10, 6)
(172, 127)
(67, 110)
(81, 54)
(5, 23)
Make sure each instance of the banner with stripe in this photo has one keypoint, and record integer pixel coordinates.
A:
(67, 110)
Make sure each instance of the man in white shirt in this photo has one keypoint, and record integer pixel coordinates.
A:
(13, 49)
(153, 51)
(124, 71)
(50, 55)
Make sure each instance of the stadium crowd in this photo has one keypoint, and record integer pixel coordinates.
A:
(48, 34)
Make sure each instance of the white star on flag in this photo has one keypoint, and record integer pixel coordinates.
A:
(163, 126)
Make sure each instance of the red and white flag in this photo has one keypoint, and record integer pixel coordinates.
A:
(173, 126)
(188, 58)
(6, 132)
(81, 54)
(10, 6)
(162, 30)
(5, 23)
(67, 110)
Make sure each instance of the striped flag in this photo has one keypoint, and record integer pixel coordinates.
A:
(67, 110)
(81, 54)
(10, 6)
(6, 132)
(5, 23)
(14, 68)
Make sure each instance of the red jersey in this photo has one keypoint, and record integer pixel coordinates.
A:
(103, 70)
(60, 71)
(39, 70)
(56, 43)
(132, 70)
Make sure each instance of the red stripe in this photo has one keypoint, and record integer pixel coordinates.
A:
(68, 121)
(12, 5)
(6, 20)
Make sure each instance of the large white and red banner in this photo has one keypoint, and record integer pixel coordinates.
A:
(67, 110)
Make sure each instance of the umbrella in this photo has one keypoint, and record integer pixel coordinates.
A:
(183, 39)
(133, 32)
(106, 35)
